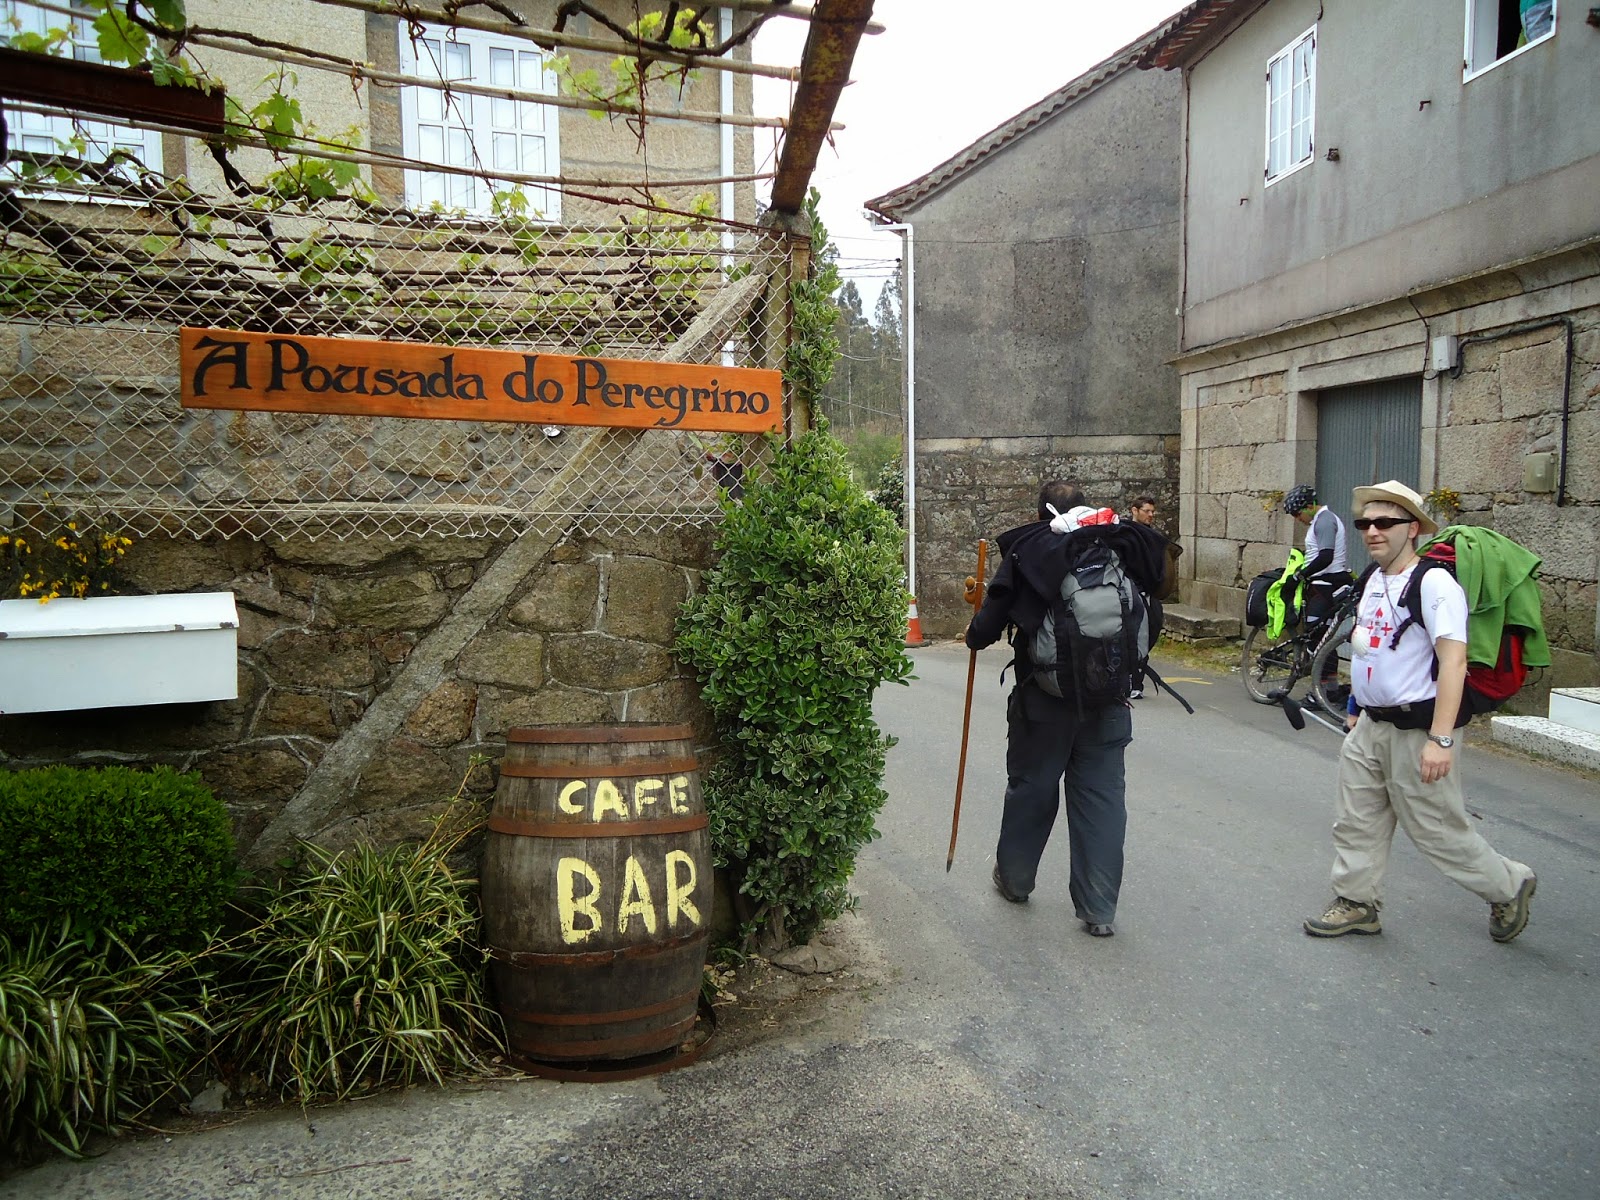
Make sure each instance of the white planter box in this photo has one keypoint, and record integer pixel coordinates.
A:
(110, 651)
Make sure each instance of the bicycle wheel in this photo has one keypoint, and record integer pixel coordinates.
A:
(1267, 663)
(1330, 668)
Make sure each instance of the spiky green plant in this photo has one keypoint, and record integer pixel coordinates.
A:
(92, 1034)
(363, 973)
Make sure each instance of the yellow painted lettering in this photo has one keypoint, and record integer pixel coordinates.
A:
(608, 799)
(636, 898)
(571, 905)
(679, 894)
(642, 794)
(567, 793)
(678, 794)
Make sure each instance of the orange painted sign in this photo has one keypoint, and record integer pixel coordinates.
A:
(266, 372)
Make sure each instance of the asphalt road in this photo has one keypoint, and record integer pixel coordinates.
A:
(980, 1049)
(1211, 1048)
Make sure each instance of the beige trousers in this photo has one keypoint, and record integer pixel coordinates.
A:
(1380, 785)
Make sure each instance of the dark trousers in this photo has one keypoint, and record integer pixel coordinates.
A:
(1319, 596)
(1158, 620)
(1047, 744)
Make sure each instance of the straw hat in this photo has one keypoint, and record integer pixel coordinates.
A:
(1395, 492)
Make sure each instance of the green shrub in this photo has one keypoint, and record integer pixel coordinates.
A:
(361, 973)
(889, 490)
(138, 854)
(800, 620)
(91, 1036)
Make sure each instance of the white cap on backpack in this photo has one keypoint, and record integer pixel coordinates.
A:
(1077, 518)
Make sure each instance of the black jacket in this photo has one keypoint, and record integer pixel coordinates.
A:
(1035, 559)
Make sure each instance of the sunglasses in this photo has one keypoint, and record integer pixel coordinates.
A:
(1366, 523)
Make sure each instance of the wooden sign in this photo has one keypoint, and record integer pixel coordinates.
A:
(264, 372)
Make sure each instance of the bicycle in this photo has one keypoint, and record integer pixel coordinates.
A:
(1272, 667)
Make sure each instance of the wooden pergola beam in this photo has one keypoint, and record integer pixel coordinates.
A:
(836, 28)
(549, 39)
(107, 91)
(356, 70)
(800, 12)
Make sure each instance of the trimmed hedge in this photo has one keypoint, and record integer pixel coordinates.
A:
(138, 854)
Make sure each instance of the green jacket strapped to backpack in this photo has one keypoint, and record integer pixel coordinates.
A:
(1498, 576)
(1278, 608)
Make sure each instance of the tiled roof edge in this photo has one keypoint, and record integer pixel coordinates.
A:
(1010, 130)
(1193, 30)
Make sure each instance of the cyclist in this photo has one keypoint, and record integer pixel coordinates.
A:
(1327, 565)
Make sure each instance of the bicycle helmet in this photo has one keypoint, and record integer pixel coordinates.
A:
(1299, 499)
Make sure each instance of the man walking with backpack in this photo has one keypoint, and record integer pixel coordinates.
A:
(1068, 714)
(1398, 763)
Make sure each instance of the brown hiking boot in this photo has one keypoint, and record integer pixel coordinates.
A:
(1345, 916)
(1511, 918)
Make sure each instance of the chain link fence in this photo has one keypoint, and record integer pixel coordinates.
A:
(101, 266)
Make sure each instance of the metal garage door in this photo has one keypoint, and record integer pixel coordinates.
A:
(1366, 434)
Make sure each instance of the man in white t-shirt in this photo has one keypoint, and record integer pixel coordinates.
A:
(1398, 761)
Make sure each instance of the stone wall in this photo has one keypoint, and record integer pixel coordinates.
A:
(1249, 430)
(971, 488)
(371, 672)
(1237, 459)
(1499, 411)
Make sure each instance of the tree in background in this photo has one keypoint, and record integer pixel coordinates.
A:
(864, 401)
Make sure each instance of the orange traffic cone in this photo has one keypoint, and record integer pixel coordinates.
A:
(914, 627)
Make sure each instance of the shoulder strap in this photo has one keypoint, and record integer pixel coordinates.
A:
(1411, 598)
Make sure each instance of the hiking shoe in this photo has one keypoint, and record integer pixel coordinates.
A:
(1098, 929)
(1345, 916)
(1136, 694)
(999, 886)
(1511, 918)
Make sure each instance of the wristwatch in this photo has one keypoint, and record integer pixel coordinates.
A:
(1442, 739)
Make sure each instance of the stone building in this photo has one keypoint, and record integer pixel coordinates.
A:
(407, 589)
(1045, 258)
(1390, 268)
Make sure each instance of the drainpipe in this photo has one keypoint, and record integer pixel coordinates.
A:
(725, 133)
(1566, 382)
(909, 307)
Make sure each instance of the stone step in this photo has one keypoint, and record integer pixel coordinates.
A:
(1544, 737)
(1576, 708)
(1199, 626)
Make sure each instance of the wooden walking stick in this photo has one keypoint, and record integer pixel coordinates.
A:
(974, 598)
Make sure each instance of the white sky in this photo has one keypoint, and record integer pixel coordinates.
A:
(942, 74)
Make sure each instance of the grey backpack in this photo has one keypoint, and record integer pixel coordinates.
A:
(1095, 634)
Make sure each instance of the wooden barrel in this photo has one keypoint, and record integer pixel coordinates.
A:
(597, 890)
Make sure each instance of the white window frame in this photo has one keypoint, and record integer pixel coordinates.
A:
(1482, 22)
(475, 116)
(101, 133)
(1286, 56)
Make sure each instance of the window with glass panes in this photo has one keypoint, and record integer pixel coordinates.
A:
(42, 132)
(480, 133)
(1291, 105)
